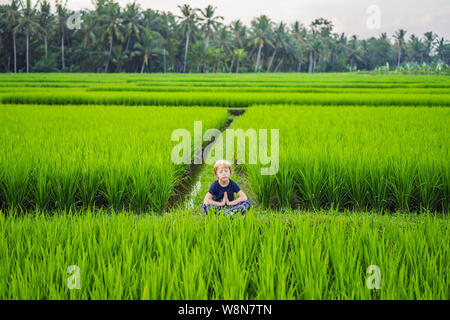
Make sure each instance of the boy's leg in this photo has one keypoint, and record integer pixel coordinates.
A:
(210, 207)
(241, 207)
(205, 208)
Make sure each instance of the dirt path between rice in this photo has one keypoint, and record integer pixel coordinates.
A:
(201, 176)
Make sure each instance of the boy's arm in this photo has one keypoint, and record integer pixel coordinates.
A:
(208, 200)
(241, 197)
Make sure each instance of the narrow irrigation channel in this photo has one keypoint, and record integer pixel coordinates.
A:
(187, 191)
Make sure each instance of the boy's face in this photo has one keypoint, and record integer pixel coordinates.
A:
(223, 173)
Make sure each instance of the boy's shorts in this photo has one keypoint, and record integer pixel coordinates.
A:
(241, 207)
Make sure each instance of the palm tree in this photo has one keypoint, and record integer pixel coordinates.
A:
(12, 16)
(166, 32)
(224, 43)
(354, 51)
(381, 50)
(45, 21)
(399, 36)
(298, 44)
(210, 21)
(430, 39)
(112, 26)
(1, 30)
(240, 55)
(118, 57)
(28, 23)
(169, 30)
(312, 45)
(320, 41)
(88, 30)
(339, 51)
(132, 21)
(416, 49)
(87, 48)
(239, 32)
(199, 53)
(188, 25)
(108, 35)
(151, 43)
(442, 48)
(61, 9)
(260, 35)
(281, 41)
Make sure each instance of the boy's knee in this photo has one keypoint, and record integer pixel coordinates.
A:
(207, 207)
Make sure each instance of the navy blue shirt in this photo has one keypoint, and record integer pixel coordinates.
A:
(218, 191)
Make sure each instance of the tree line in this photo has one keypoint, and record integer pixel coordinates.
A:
(110, 38)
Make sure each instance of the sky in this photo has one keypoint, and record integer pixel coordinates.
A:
(365, 18)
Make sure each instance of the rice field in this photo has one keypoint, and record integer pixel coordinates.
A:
(87, 180)
(226, 90)
(61, 157)
(322, 255)
(381, 158)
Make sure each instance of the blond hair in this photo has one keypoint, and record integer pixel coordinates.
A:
(222, 163)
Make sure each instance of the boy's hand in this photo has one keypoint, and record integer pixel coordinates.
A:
(225, 199)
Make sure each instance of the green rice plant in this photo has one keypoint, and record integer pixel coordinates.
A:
(237, 264)
(402, 184)
(64, 181)
(336, 189)
(445, 191)
(163, 180)
(310, 261)
(295, 255)
(89, 185)
(429, 184)
(241, 91)
(258, 88)
(116, 181)
(229, 99)
(378, 185)
(141, 184)
(193, 283)
(273, 273)
(285, 185)
(14, 184)
(158, 285)
(340, 239)
(311, 183)
(43, 191)
(262, 185)
(358, 189)
(82, 156)
(354, 157)
(294, 79)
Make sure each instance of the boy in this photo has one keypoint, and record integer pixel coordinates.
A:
(221, 192)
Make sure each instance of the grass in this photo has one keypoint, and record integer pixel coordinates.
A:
(229, 99)
(383, 158)
(363, 181)
(289, 255)
(61, 157)
(225, 89)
